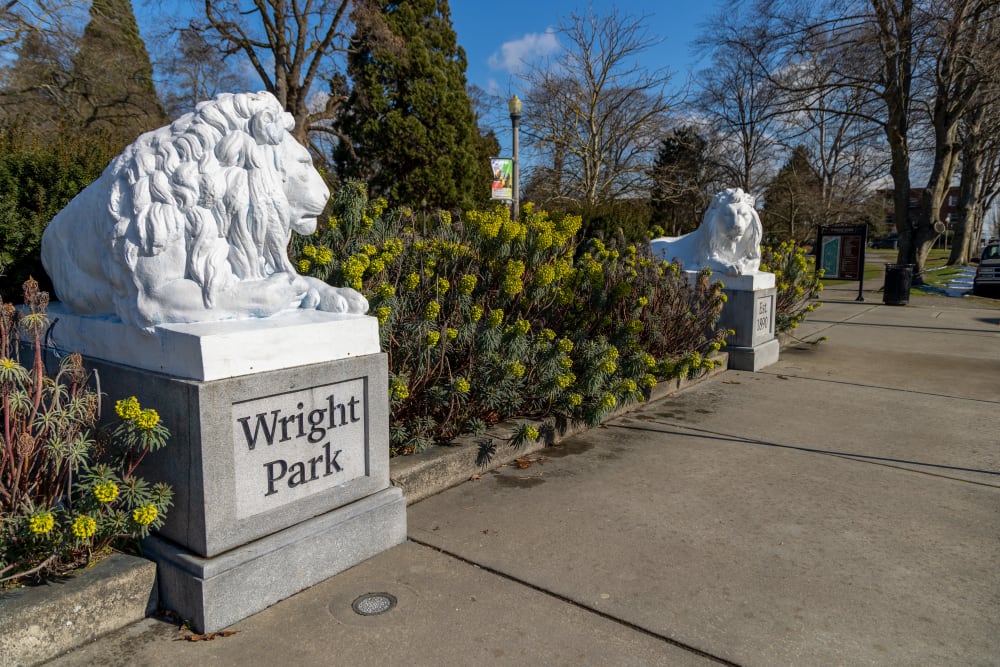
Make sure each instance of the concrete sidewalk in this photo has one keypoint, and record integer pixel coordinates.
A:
(840, 507)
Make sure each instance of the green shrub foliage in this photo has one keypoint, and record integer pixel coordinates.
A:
(67, 491)
(487, 318)
(798, 284)
(37, 179)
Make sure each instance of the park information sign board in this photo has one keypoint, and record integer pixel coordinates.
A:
(503, 174)
(840, 253)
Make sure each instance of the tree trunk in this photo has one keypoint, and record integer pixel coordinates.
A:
(972, 167)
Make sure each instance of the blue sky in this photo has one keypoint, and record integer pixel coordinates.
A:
(497, 37)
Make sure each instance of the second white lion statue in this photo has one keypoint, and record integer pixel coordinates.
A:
(192, 222)
(728, 240)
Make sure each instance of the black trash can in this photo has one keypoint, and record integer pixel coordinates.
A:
(898, 278)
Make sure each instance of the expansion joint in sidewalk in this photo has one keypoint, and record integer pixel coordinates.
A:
(583, 607)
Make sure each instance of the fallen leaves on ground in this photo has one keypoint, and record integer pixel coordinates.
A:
(209, 636)
(527, 461)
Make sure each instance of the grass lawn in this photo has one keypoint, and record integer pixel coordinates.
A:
(936, 276)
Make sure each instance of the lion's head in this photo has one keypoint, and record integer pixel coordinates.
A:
(727, 241)
(732, 231)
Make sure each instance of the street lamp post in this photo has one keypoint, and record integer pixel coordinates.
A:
(515, 120)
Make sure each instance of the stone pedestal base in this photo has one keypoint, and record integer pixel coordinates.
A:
(753, 358)
(278, 455)
(749, 312)
(212, 593)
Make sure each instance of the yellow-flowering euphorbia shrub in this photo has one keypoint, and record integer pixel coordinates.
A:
(485, 318)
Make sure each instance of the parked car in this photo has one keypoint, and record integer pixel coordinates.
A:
(987, 280)
(890, 242)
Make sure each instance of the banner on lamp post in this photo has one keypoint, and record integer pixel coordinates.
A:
(503, 174)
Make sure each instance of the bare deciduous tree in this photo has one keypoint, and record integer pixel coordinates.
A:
(740, 101)
(596, 115)
(291, 45)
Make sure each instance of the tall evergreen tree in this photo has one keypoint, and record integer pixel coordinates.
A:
(409, 128)
(793, 202)
(112, 76)
(681, 178)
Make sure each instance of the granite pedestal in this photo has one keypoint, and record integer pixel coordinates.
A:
(278, 455)
(749, 311)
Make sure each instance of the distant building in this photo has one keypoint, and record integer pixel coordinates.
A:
(950, 212)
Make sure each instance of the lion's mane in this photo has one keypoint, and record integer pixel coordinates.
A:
(210, 184)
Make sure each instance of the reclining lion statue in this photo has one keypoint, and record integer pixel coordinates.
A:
(728, 240)
(192, 222)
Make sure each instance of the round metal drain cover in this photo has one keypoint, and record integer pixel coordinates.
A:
(373, 604)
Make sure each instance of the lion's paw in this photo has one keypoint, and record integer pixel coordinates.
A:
(343, 300)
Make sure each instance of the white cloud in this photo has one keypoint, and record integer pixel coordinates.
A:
(514, 55)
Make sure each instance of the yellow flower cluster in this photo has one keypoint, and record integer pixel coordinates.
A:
(544, 275)
(565, 380)
(411, 281)
(145, 514)
(531, 433)
(520, 327)
(353, 269)
(432, 310)
(574, 399)
(106, 492)
(377, 207)
(382, 313)
(565, 345)
(443, 285)
(41, 523)
(627, 386)
(432, 338)
(84, 527)
(451, 334)
(467, 284)
(128, 408)
(385, 291)
(398, 390)
(496, 317)
(147, 419)
(516, 369)
(320, 255)
(496, 224)
(512, 283)
(476, 313)
(462, 385)
(608, 401)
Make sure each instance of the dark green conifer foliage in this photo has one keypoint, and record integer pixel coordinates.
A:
(112, 76)
(681, 176)
(793, 202)
(410, 128)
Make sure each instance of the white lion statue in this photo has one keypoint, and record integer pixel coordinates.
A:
(192, 223)
(728, 240)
